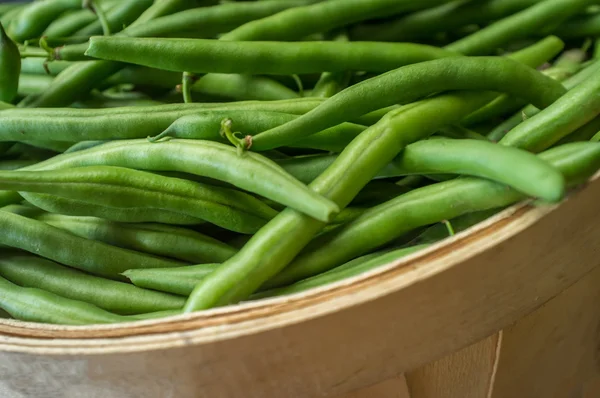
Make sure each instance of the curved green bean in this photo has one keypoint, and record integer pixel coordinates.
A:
(67, 24)
(573, 110)
(122, 298)
(411, 82)
(120, 15)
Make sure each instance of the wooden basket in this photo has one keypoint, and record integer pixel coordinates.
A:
(510, 308)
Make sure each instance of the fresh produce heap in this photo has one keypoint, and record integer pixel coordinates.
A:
(169, 156)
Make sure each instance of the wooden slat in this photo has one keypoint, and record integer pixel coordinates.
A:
(467, 373)
(553, 351)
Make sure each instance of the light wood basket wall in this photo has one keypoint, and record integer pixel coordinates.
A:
(508, 309)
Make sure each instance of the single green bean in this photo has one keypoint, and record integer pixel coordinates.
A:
(67, 24)
(411, 82)
(118, 297)
(40, 66)
(87, 255)
(33, 84)
(251, 172)
(256, 57)
(540, 17)
(180, 280)
(577, 107)
(10, 67)
(422, 206)
(581, 26)
(30, 304)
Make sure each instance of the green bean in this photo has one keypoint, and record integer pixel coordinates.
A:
(251, 172)
(72, 207)
(36, 17)
(577, 107)
(580, 26)
(10, 67)
(568, 65)
(180, 280)
(55, 244)
(411, 82)
(584, 133)
(331, 83)
(439, 231)
(167, 7)
(118, 297)
(37, 66)
(255, 57)
(516, 168)
(206, 126)
(423, 206)
(341, 272)
(275, 245)
(158, 239)
(30, 304)
(9, 198)
(67, 24)
(243, 87)
(6, 7)
(300, 22)
(15, 164)
(459, 132)
(122, 14)
(444, 18)
(33, 84)
(123, 188)
(530, 110)
(542, 16)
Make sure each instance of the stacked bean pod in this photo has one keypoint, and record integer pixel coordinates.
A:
(166, 157)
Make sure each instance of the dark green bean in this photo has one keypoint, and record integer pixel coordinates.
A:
(10, 67)
(30, 304)
(122, 298)
(540, 17)
(423, 206)
(119, 187)
(584, 133)
(444, 18)
(581, 26)
(87, 255)
(273, 247)
(254, 57)
(411, 82)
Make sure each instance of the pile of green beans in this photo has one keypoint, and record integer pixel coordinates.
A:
(165, 157)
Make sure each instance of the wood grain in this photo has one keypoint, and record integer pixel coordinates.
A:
(468, 373)
(554, 350)
(329, 341)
